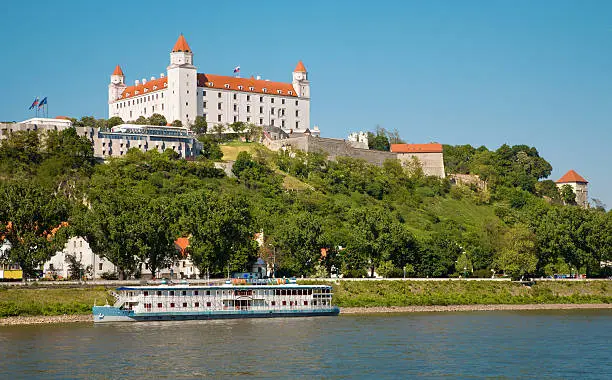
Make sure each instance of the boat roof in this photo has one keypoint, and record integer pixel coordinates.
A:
(225, 286)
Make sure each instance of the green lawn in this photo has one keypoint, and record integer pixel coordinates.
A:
(20, 301)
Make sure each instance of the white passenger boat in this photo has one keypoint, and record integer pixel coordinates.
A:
(235, 299)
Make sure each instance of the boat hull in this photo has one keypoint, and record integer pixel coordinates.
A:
(105, 314)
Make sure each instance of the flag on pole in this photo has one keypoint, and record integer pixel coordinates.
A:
(34, 103)
(42, 102)
(236, 69)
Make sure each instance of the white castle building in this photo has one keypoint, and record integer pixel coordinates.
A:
(184, 93)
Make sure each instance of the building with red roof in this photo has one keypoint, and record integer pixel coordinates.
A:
(578, 184)
(181, 93)
(429, 156)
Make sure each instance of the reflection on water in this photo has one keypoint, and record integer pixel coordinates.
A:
(476, 344)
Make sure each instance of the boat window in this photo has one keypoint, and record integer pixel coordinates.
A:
(283, 292)
(314, 303)
(273, 303)
(159, 305)
(172, 293)
(208, 292)
(284, 303)
(197, 304)
(208, 304)
(184, 304)
(195, 293)
(305, 303)
(278, 292)
(159, 292)
(184, 292)
(172, 304)
(146, 293)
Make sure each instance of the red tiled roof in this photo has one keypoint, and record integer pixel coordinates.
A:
(245, 84)
(62, 117)
(300, 68)
(118, 71)
(218, 82)
(416, 148)
(150, 86)
(572, 176)
(182, 243)
(181, 45)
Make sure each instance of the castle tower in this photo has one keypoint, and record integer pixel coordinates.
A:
(578, 184)
(301, 85)
(300, 81)
(182, 84)
(115, 88)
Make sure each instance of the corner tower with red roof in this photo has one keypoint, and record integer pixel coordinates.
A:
(183, 93)
(578, 184)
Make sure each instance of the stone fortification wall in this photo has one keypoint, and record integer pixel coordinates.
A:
(332, 147)
(432, 163)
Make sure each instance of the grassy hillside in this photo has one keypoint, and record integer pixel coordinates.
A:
(50, 301)
(421, 293)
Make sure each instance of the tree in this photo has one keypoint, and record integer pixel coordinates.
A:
(567, 195)
(114, 121)
(141, 121)
(177, 123)
(75, 268)
(210, 148)
(221, 230)
(157, 119)
(32, 219)
(518, 256)
(299, 239)
(200, 126)
(238, 127)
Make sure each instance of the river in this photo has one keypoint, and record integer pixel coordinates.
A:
(500, 344)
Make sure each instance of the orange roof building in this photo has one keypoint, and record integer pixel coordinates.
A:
(578, 184)
(429, 156)
(181, 93)
(572, 176)
(416, 148)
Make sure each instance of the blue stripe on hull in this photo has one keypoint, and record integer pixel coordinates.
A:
(111, 314)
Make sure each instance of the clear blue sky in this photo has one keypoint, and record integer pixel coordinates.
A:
(456, 72)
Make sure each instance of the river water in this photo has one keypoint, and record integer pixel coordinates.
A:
(500, 344)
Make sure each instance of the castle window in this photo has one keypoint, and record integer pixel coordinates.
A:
(279, 92)
(218, 95)
(218, 117)
(203, 93)
(248, 119)
(261, 99)
(248, 108)
(235, 119)
(297, 124)
(166, 84)
(290, 92)
(296, 102)
(211, 84)
(272, 110)
(226, 86)
(283, 123)
(204, 104)
(162, 95)
(260, 109)
(240, 87)
(297, 113)
(204, 116)
(155, 87)
(162, 106)
(260, 121)
(264, 90)
(248, 98)
(219, 106)
(283, 101)
(252, 88)
(272, 122)
(235, 96)
(235, 107)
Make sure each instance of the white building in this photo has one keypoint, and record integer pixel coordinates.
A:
(58, 267)
(121, 138)
(578, 184)
(183, 93)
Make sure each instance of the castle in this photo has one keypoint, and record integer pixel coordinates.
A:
(184, 93)
(578, 184)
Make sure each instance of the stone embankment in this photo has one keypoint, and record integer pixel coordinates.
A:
(43, 319)
(428, 309)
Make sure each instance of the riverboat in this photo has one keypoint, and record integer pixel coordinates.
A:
(238, 298)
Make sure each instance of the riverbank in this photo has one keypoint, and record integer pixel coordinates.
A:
(87, 318)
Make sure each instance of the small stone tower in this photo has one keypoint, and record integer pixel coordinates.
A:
(578, 184)
(115, 88)
(182, 84)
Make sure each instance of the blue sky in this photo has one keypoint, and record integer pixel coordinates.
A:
(456, 72)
